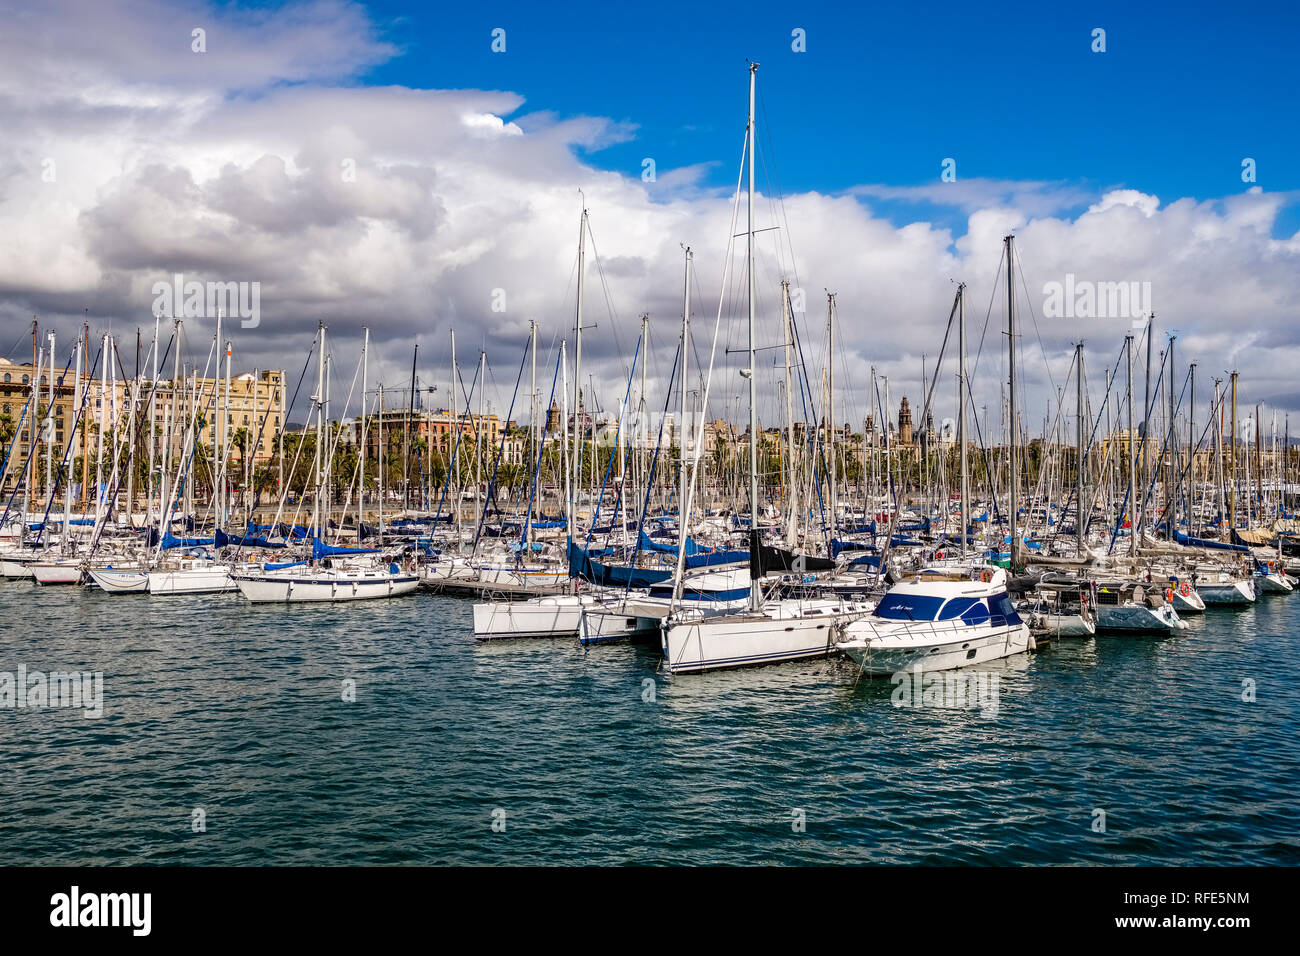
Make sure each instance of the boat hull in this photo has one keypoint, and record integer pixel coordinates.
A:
(558, 616)
(721, 642)
(940, 649)
(1237, 593)
(1063, 625)
(1137, 619)
(55, 572)
(275, 589)
(212, 580)
(120, 580)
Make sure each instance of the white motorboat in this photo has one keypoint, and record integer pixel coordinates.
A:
(938, 622)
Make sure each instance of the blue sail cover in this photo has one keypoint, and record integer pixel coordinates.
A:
(646, 543)
(251, 541)
(707, 559)
(169, 541)
(609, 575)
(284, 564)
(321, 550)
(838, 547)
(860, 529)
(1206, 543)
(923, 526)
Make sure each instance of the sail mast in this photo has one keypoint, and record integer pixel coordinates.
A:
(961, 414)
(830, 409)
(1078, 424)
(1011, 394)
(681, 431)
(755, 596)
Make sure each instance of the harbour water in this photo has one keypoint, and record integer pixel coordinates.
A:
(594, 756)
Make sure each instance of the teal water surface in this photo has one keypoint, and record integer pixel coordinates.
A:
(226, 739)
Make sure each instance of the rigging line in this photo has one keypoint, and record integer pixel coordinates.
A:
(1034, 319)
(604, 288)
(987, 316)
(775, 180)
(684, 507)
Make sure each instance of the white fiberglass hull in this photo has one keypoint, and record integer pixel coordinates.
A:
(1189, 603)
(1234, 593)
(56, 572)
(556, 616)
(15, 570)
(777, 634)
(206, 580)
(931, 646)
(302, 586)
(1064, 625)
(120, 580)
(620, 621)
(1272, 584)
(1137, 619)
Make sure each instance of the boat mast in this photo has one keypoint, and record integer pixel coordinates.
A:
(320, 424)
(1171, 461)
(361, 462)
(225, 445)
(1232, 464)
(961, 413)
(577, 375)
(49, 430)
(76, 424)
(1132, 451)
(532, 417)
(681, 439)
(1078, 415)
(755, 542)
(1011, 391)
(1191, 448)
(787, 318)
(453, 443)
(830, 411)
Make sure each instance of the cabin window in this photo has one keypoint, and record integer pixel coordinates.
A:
(956, 607)
(908, 607)
(1002, 606)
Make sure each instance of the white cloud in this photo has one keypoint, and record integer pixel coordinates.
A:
(233, 167)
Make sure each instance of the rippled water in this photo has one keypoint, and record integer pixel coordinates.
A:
(215, 704)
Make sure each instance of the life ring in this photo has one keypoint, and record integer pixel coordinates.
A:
(1185, 589)
(1169, 595)
(986, 575)
(938, 556)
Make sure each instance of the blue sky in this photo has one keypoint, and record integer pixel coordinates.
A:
(1181, 95)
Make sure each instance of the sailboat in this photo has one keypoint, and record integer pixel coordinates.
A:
(766, 631)
(332, 573)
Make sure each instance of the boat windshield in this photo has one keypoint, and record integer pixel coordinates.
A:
(970, 610)
(908, 607)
